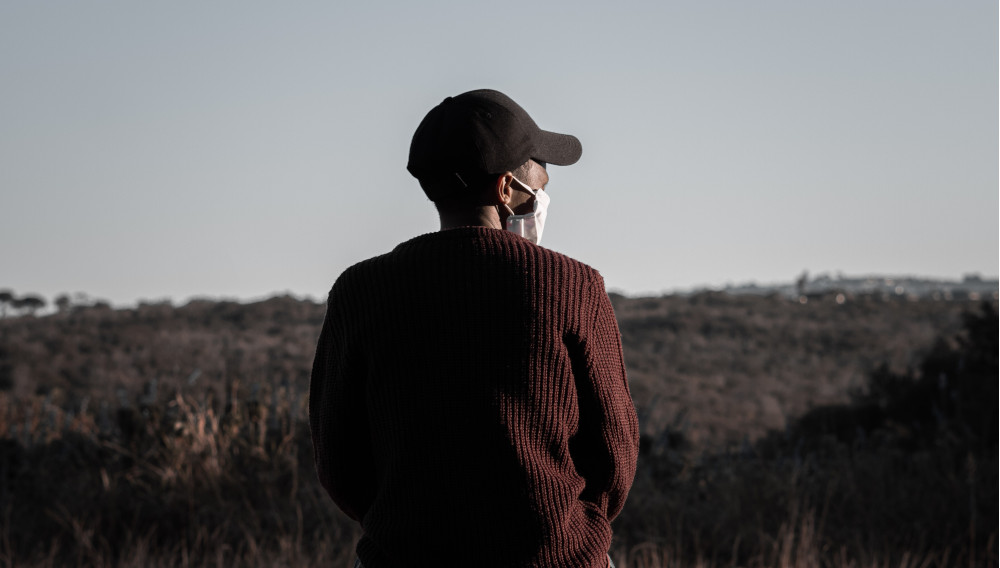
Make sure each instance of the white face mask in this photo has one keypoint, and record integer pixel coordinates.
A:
(530, 225)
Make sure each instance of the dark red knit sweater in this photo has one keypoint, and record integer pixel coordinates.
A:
(469, 405)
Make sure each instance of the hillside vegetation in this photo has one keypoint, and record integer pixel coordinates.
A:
(722, 368)
(775, 433)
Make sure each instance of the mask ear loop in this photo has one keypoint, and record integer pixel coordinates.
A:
(525, 187)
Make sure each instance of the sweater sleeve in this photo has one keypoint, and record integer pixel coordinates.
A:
(606, 446)
(338, 416)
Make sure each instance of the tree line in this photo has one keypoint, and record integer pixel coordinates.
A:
(31, 303)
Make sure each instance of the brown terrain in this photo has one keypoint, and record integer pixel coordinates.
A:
(721, 368)
(730, 368)
(775, 433)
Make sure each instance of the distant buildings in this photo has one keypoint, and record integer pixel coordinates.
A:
(971, 287)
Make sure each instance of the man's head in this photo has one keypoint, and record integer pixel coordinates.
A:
(468, 147)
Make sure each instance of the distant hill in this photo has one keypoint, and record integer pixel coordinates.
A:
(717, 368)
(971, 287)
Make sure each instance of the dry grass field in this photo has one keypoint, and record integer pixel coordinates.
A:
(775, 433)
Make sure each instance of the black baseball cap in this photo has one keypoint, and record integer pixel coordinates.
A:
(479, 133)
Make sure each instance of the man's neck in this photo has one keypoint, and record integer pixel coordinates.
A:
(485, 216)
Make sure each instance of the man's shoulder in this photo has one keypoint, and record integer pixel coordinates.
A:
(568, 262)
(357, 273)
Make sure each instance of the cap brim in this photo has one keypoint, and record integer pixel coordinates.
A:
(558, 149)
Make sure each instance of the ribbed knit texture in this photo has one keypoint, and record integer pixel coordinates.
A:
(469, 405)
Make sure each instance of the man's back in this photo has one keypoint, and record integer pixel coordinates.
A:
(469, 404)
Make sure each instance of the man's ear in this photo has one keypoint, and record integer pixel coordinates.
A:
(502, 189)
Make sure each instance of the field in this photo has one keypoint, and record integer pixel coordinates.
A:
(775, 433)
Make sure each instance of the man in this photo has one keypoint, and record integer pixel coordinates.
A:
(469, 405)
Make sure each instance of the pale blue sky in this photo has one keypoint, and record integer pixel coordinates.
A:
(240, 149)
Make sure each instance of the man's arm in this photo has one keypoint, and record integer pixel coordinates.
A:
(606, 446)
(338, 416)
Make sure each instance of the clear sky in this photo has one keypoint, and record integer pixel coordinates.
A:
(240, 149)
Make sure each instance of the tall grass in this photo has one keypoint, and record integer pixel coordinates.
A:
(186, 481)
(197, 480)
